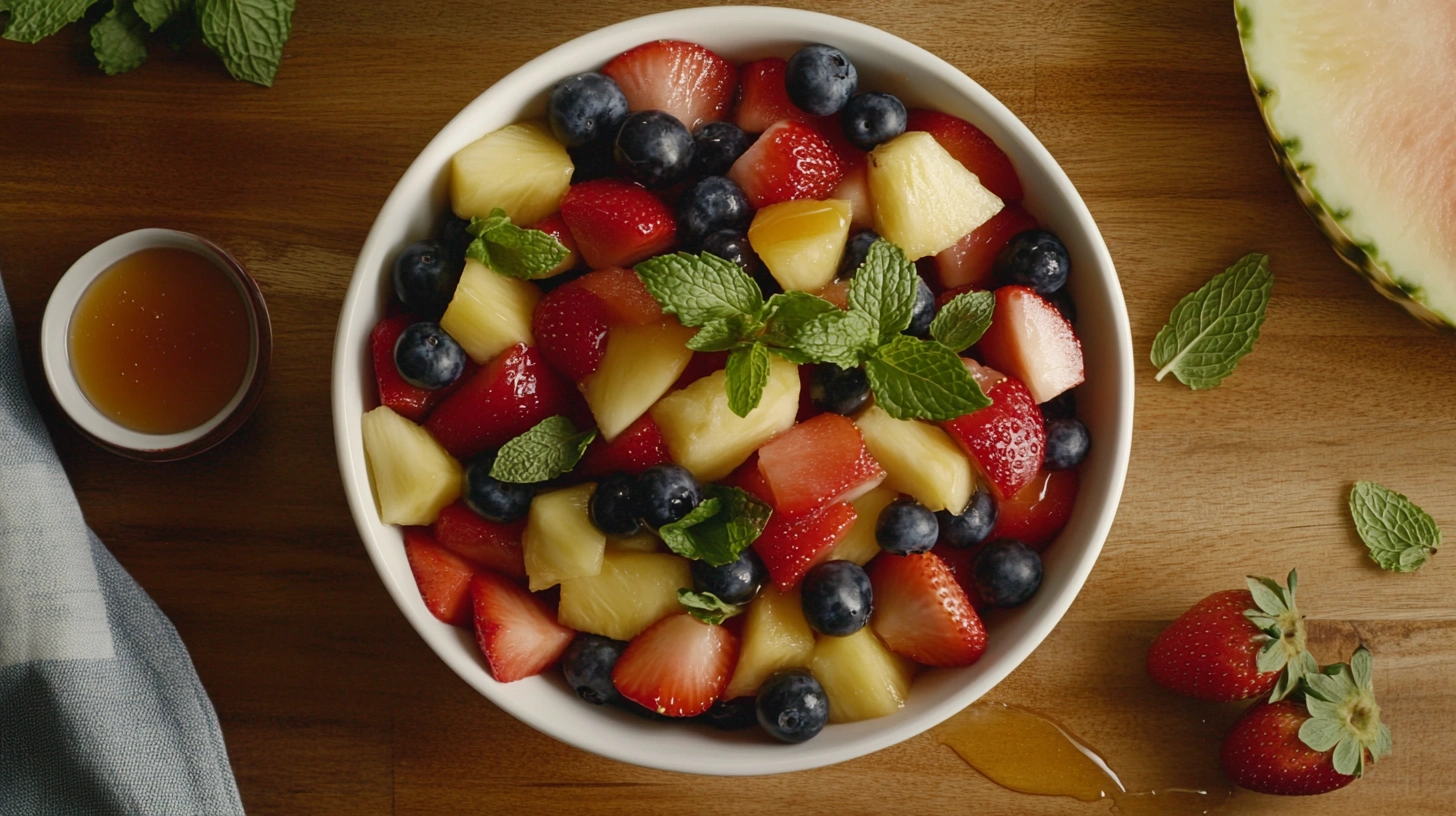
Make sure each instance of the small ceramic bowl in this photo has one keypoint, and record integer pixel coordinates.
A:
(417, 206)
(101, 429)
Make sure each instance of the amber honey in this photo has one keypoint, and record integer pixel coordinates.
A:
(160, 341)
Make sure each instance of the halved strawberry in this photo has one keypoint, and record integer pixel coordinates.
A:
(682, 78)
(517, 632)
(790, 161)
(1039, 510)
(442, 576)
(790, 545)
(762, 97)
(969, 261)
(1030, 340)
(961, 563)
(1007, 439)
(922, 613)
(634, 450)
(617, 223)
(818, 462)
(491, 545)
(500, 402)
(570, 327)
(625, 295)
(408, 401)
(677, 667)
(556, 228)
(972, 148)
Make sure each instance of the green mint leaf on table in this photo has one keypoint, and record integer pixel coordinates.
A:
(922, 379)
(247, 34)
(706, 607)
(1399, 535)
(1211, 329)
(34, 20)
(551, 448)
(747, 374)
(158, 12)
(700, 288)
(884, 289)
(960, 323)
(513, 251)
(720, 528)
(118, 39)
(724, 334)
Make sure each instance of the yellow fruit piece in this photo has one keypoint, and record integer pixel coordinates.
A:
(919, 459)
(490, 312)
(925, 200)
(861, 678)
(633, 591)
(642, 542)
(520, 168)
(775, 637)
(801, 241)
(413, 476)
(640, 364)
(859, 544)
(706, 437)
(560, 541)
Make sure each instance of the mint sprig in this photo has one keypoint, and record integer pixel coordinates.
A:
(1211, 329)
(548, 450)
(720, 528)
(706, 607)
(962, 321)
(745, 377)
(1399, 535)
(516, 252)
(922, 379)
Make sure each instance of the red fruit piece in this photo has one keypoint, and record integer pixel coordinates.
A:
(922, 613)
(625, 295)
(1030, 340)
(1006, 440)
(961, 562)
(1263, 752)
(570, 327)
(762, 97)
(855, 188)
(818, 462)
(486, 543)
(408, 401)
(442, 576)
(968, 262)
(972, 148)
(682, 78)
(836, 293)
(517, 632)
(749, 477)
(555, 226)
(790, 545)
(789, 161)
(701, 365)
(634, 450)
(677, 666)
(500, 402)
(617, 223)
(1039, 510)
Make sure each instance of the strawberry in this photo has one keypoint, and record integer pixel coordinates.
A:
(555, 226)
(818, 462)
(678, 666)
(972, 148)
(961, 563)
(1038, 511)
(682, 78)
(922, 613)
(517, 632)
(790, 545)
(634, 450)
(625, 295)
(791, 160)
(762, 97)
(1031, 340)
(1234, 645)
(443, 577)
(1290, 748)
(1007, 439)
(500, 402)
(491, 545)
(408, 401)
(617, 223)
(968, 262)
(570, 327)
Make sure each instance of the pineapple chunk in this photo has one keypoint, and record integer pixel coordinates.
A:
(560, 541)
(643, 542)
(706, 437)
(490, 312)
(925, 200)
(632, 592)
(775, 637)
(801, 241)
(861, 678)
(641, 363)
(859, 544)
(520, 168)
(413, 476)
(919, 458)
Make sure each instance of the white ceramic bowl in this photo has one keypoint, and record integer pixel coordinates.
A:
(885, 62)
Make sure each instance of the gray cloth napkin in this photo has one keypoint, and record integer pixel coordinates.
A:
(101, 710)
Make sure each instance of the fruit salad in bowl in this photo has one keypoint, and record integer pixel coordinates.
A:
(733, 391)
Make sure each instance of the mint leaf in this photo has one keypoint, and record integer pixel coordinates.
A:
(706, 607)
(158, 12)
(960, 323)
(720, 528)
(787, 313)
(247, 34)
(884, 289)
(516, 252)
(842, 338)
(922, 379)
(747, 374)
(1211, 329)
(700, 288)
(118, 39)
(551, 448)
(725, 334)
(1399, 535)
(34, 20)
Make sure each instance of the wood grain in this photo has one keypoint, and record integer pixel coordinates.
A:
(330, 703)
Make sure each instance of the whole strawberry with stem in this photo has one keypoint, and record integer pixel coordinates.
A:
(1235, 645)
(1297, 747)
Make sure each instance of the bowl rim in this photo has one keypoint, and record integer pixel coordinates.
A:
(610, 742)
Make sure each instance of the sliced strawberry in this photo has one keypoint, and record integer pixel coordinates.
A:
(972, 148)
(570, 327)
(818, 462)
(555, 226)
(500, 402)
(491, 545)
(443, 577)
(762, 97)
(749, 477)
(634, 450)
(626, 297)
(791, 160)
(922, 613)
(961, 563)
(1006, 440)
(678, 666)
(701, 365)
(617, 223)
(1030, 340)
(408, 401)
(968, 262)
(517, 632)
(681, 78)
(790, 545)
(1039, 510)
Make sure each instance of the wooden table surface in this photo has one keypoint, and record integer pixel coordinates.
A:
(331, 704)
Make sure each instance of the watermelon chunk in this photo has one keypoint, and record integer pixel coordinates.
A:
(818, 462)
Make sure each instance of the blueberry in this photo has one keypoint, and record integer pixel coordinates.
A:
(425, 274)
(1006, 572)
(872, 118)
(613, 506)
(973, 525)
(666, 493)
(732, 715)
(716, 145)
(820, 79)
(587, 664)
(732, 245)
(856, 251)
(427, 357)
(1067, 442)
(734, 583)
(792, 706)
(1062, 299)
(905, 526)
(1034, 258)
(839, 390)
(923, 312)
(455, 237)
(654, 148)
(836, 598)
(585, 108)
(1062, 406)
(494, 500)
(710, 205)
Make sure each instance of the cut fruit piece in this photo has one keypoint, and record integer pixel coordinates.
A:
(919, 459)
(836, 293)
(775, 637)
(859, 544)
(555, 226)
(972, 148)
(570, 326)
(925, 201)
(1006, 439)
(706, 437)
(633, 451)
(762, 97)
(790, 545)
(442, 576)
(1357, 98)
(683, 79)
(962, 566)
(560, 540)
(491, 545)
(625, 295)
(969, 261)
(855, 188)
(790, 161)
(500, 402)
(923, 614)
(702, 364)
(1031, 341)
(801, 241)
(678, 667)
(515, 630)
(520, 168)
(641, 363)
(408, 401)
(617, 223)
(818, 462)
(1039, 510)
(490, 312)
(413, 476)
(633, 591)
(861, 678)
